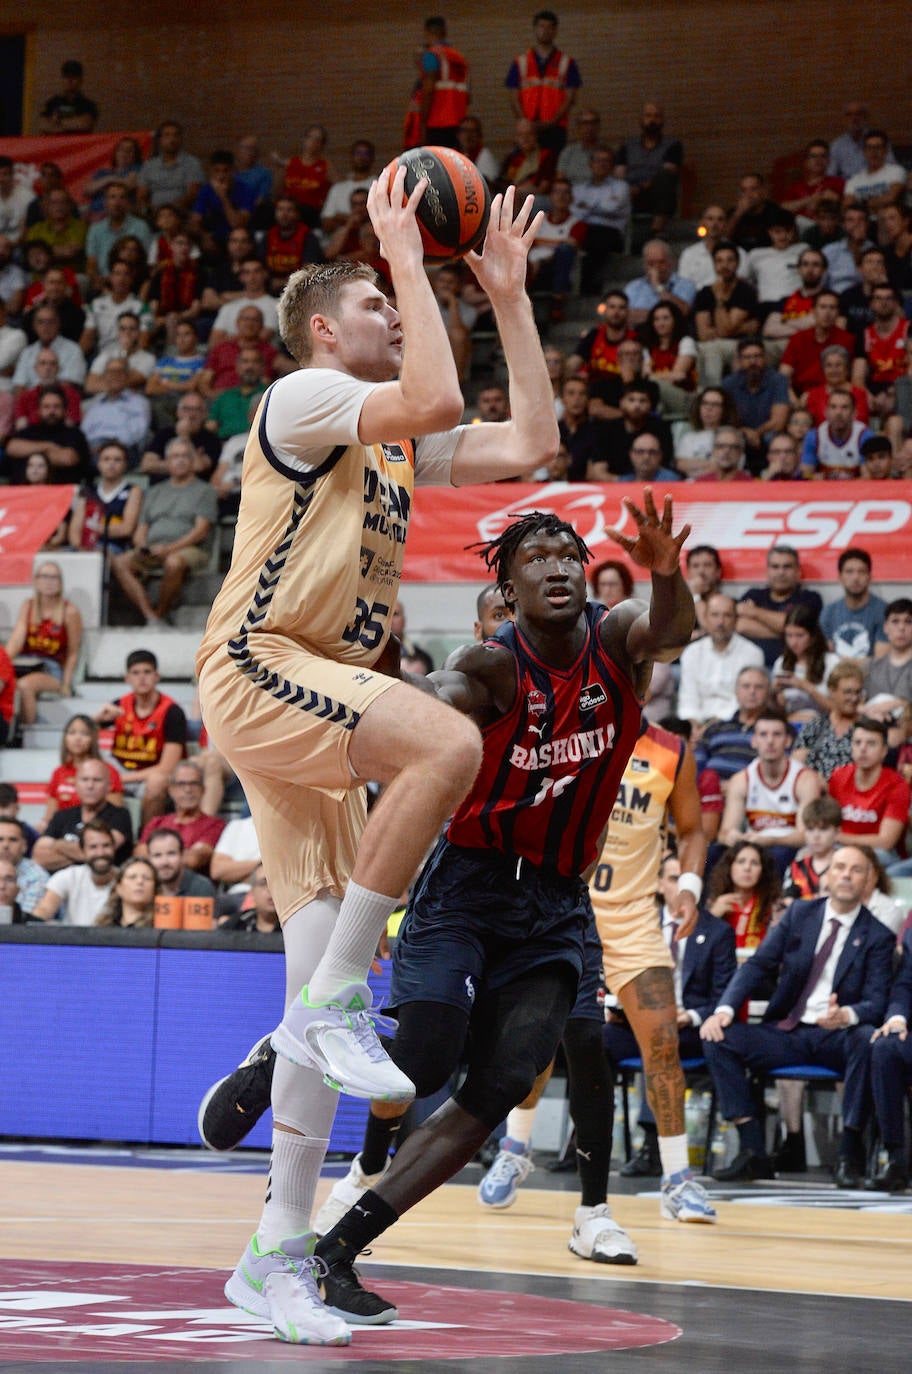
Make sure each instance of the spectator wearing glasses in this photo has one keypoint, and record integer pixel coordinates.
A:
(199, 832)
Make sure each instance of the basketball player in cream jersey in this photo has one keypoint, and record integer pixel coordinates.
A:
(765, 800)
(291, 675)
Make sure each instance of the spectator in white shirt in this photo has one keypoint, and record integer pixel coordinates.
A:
(78, 893)
(710, 666)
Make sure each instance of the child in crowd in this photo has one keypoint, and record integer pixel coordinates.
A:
(821, 819)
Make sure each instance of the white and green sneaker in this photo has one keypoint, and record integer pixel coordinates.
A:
(339, 1039)
(280, 1286)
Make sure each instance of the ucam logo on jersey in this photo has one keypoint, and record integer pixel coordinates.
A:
(743, 526)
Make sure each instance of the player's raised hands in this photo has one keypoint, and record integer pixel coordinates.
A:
(393, 214)
(501, 265)
(654, 547)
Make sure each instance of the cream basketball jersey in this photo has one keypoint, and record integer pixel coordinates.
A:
(321, 529)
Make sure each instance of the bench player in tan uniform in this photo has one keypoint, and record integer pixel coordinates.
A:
(289, 668)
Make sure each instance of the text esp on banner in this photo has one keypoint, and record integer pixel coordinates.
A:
(818, 519)
(28, 517)
(77, 155)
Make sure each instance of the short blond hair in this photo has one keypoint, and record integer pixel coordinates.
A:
(314, 290)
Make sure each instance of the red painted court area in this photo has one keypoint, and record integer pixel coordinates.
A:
(65, 1311)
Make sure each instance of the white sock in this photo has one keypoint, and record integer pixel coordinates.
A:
(293, 1174)
(520, 1123)
(673, 1153)
(353, 942)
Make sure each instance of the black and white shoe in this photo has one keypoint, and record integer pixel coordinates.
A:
(233, 1105)
(345, 1296)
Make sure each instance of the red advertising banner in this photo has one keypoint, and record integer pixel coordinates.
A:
(742, 521)
(28, 516)
(77, 155)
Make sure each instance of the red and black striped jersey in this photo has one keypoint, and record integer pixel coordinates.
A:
(552, 766)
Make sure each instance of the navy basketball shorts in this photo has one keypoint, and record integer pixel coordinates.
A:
(478, 920)
(590, 997)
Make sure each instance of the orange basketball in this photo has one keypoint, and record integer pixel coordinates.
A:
(453, 212)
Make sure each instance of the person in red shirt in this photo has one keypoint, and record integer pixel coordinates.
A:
(875, 800)
(7, 694)
(883, 346)
(220, 372)
(309, 175)
(150, 732)
(814, 185)
(289, 244)
(47, 370)
(199, 832)
(835, 362)
(801, 359)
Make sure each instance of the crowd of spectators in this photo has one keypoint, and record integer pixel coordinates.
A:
(138, 331)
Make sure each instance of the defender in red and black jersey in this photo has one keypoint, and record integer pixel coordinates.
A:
(492, 940)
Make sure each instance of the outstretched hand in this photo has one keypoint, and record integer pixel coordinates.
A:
(501, 266)
(655, 547)
(393, 214)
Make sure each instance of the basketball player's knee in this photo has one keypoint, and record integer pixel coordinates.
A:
(427, 1045)
(491, 1092)
(458, 755)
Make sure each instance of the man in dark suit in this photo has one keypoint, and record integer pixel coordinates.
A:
(704, 966)
(891, 1075)
(830, 962)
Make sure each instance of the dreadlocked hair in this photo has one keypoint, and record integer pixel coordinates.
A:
(498, 553)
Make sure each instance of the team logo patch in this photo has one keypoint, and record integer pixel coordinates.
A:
(638, 765)
(536, 702)
(593, 696)
(367, 558)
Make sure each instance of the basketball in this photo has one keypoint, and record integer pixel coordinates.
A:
(453, 212)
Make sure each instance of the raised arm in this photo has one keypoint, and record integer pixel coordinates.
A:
(661, 631)
(426, 397)
(492, 452)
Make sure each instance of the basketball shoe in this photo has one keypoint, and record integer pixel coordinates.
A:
(345, 1193)
(280, 1286)
(597, 1236)
(345, 1295)
(511, 1168)
(684, 1199)
(233, 1105)
(339, 1040)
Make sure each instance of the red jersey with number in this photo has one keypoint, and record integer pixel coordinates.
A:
(552, 766)
(139, 740)
(886, 354)
(46, 638)
(603, 352)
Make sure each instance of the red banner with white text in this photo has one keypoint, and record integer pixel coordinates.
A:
(77, 155)
(28, 517)
(743, 521)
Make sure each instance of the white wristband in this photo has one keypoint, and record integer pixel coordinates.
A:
(692, 883)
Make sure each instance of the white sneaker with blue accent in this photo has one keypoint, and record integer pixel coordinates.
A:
(280, 1286)
(597, 1236)
(340, 1041)
(684, 1199)
(512, 1167)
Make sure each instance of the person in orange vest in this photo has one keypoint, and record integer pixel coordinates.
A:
(443, 96)
(543, 84)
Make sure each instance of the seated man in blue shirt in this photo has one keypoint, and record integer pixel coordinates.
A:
(659, 282)
(760, 395)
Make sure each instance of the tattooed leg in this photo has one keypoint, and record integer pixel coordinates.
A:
(649, 1005)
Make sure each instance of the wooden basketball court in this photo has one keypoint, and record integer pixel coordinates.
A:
(120, 1260)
